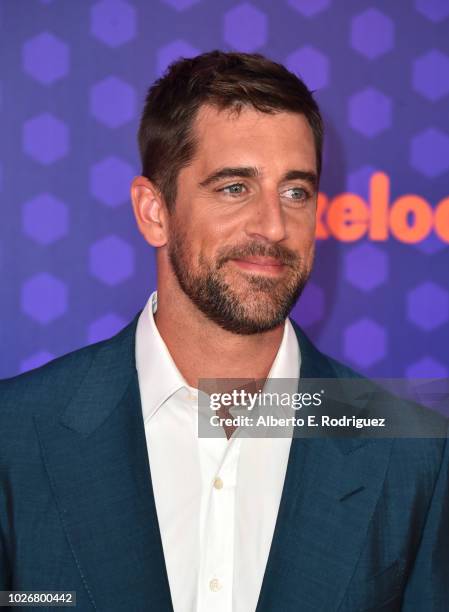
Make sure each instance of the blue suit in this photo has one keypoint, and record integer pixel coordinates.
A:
(363, 524)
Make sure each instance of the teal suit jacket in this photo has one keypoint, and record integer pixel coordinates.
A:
(362, 525)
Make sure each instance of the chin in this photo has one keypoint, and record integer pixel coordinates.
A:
(251, 328)
(252, 323)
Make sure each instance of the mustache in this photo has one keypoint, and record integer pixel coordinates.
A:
(256, 249)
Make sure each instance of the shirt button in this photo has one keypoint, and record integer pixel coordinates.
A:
(215, 585)
(218, 483)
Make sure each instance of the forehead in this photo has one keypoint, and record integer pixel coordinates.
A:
(250, 136)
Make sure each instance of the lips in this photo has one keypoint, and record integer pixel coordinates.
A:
(260, 264)
(260, 261)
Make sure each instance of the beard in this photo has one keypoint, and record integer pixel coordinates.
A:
(252, 303)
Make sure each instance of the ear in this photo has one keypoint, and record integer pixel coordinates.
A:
(150, 211)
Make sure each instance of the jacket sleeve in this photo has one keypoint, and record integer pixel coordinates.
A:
(427, 589)
(5, 571)
(5, 567)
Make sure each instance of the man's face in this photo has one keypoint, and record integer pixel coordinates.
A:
(241, 237)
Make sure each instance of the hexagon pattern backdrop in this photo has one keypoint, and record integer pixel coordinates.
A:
(73, 78)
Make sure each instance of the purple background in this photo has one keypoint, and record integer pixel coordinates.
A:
(73, 76)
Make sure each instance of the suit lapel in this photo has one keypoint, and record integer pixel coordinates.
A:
(97, 462)
(330, 492)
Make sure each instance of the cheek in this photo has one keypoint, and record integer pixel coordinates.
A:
(303, 231)
(210, 235)
(309, 256)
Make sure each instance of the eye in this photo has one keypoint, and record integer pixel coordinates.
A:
(234, 190)
(296, 193)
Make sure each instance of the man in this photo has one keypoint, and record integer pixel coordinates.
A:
(106, 487)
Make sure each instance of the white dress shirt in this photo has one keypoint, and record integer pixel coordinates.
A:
(216, 499)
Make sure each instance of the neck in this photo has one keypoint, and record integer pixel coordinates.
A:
(202, 349)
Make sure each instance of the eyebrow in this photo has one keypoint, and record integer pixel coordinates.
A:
(252, 172)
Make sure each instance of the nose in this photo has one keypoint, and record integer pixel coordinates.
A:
(266, 218)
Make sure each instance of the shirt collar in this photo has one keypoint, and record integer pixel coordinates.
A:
(287, 362)
(159, 377)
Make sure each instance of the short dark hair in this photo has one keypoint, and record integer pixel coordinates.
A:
(223, 80)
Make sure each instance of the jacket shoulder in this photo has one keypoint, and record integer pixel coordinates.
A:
(52, 385)
(56, 380)
(317, 364)
(421, 432)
